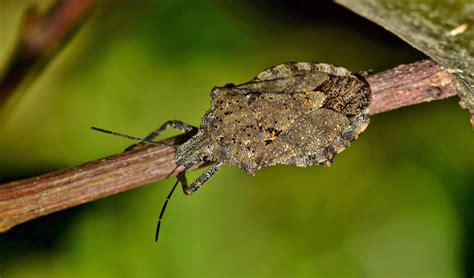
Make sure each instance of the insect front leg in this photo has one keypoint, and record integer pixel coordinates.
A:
(193, 187)
(179, 125)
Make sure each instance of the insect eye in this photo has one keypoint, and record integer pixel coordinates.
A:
(229, 85)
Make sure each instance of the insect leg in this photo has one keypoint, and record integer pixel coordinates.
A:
(193, 187)
(179, 125)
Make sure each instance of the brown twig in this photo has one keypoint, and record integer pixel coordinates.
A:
(41, 37)
(408, 85)
(30, 198)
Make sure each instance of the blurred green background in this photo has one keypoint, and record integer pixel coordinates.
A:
(396, 203)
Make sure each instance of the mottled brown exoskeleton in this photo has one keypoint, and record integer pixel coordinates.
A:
(295, 113)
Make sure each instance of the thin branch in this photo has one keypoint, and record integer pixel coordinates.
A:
(41, 37)
(408, 85)
(30, 198)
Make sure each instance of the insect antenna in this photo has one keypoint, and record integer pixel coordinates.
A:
(163, 210)
(128, 136)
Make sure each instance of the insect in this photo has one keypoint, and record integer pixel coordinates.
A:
(299, 114)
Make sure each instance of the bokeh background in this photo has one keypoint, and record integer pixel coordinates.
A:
(398, 202)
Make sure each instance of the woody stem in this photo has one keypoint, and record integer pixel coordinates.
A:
(31, 198)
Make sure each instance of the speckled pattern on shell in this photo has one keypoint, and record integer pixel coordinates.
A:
(294, 113)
